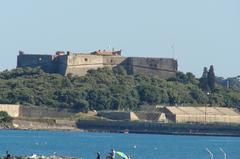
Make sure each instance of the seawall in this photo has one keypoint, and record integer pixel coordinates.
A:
(44, 124)
(159, 128)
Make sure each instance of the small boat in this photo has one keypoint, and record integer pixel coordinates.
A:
(125, 131)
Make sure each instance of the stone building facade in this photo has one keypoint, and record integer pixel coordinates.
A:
(79, 63)
(16, 110)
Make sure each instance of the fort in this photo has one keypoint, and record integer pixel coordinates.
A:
(79, 63)
(162, 114)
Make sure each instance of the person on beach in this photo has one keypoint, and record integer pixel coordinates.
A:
(8, 156)
(112, 154)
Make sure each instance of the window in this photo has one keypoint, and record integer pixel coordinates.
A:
(85, 59)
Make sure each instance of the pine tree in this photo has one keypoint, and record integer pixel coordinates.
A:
(211, 79)
(203, 81)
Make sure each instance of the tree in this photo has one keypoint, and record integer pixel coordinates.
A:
(105, 89)
(81, 105)
(151, 94)
(120, 70)
(203, 81)
(4, 117)
(191, 78)
(211, 79)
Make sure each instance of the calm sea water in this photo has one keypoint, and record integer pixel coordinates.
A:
(140, 146)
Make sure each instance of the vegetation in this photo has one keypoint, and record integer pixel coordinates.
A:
(4, 117)
(208, 80)
(211, 79)
(232, 82)
(106, 89)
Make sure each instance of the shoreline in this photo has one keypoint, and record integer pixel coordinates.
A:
(160, 128)
(126, 127)
(131, 132)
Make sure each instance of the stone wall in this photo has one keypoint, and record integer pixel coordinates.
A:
(160, 128)
(115, 115)
(163, 67)
(44, 124)
(112, 61)
(203, 114)
(84, 59)
(207, 119)
(44, 61)
(61, 63)
(11, 109)
(79, 63)
(81, 70)
(45, 112)
(133, 116)
(15, 110)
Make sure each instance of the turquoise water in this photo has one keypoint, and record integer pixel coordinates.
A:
(140, 146)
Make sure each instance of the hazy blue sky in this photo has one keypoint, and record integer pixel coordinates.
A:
(204, 32)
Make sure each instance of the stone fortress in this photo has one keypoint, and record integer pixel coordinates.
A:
(79, 63)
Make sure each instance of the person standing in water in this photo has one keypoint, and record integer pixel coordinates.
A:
(98, 155)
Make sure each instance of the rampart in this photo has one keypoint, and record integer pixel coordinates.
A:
(29, 60)
(201, 114)
(44, 112)
(15, 110)
(11, 109)
(133, 116)
(173, 114)
(163, 67)
(80, 63)
(160, 128)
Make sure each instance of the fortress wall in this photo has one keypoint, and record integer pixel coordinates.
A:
(61, 64)
(204, 114)
(79, 64)
(113, 60)
(149, 71)
(133, 116)
(145, 116)
(166, 64)
(45, 112)
(82, 69)
(115, 115)
(32, 60)
(207, 119)
(84, 59)
(11, 109)
(153, 66)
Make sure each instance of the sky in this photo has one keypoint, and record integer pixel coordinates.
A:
(197, 33)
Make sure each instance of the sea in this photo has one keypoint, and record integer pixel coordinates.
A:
(85, 145)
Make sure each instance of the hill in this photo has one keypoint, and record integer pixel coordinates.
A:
(106, 89)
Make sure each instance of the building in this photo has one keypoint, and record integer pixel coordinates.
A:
(11, 109)
(79, 63)
(202, 114)
(173, 114)
(16, 110)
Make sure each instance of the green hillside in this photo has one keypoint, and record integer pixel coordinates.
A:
(106, 89)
